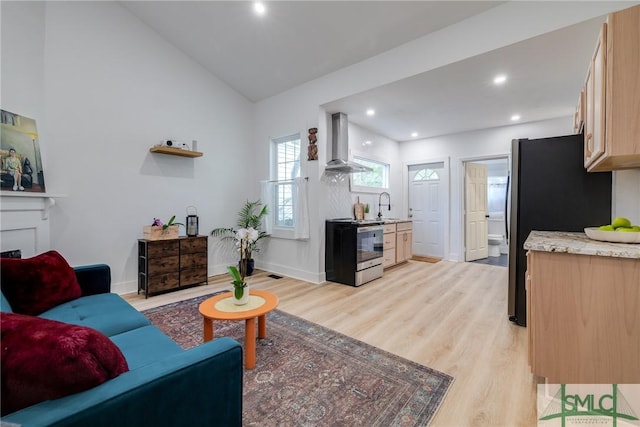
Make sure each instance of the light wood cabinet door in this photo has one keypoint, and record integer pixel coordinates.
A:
(594, 144)
(403, 246)
(615, 97)
(583, 318)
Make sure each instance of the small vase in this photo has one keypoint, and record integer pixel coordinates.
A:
(244, 298)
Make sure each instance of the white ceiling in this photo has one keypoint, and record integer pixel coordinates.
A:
(544, 77)
(296, 42)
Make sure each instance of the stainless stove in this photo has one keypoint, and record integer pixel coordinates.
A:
(353, 250)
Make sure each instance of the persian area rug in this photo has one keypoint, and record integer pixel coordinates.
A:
(308, 375)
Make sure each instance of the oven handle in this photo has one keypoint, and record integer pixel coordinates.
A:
(372, 228)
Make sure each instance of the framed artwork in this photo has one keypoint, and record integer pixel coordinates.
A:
(20, 154)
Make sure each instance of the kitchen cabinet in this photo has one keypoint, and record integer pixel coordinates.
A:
(583, 310)
(594, 88)
(578, 117)
(398, 243)
(172, 264)
(612, 96)
(389, 248)
(404, 241)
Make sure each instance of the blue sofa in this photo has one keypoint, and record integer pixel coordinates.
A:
(165, 385)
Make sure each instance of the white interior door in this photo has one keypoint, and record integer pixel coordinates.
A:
(476, 239)
(425, 209)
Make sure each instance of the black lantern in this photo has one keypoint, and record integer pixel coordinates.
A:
(192, 221)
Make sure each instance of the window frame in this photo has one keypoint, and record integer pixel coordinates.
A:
(367, 189)
(280, 229)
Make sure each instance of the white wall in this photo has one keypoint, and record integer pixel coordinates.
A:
(495, 142)
(104, 88)
(112, 89)
(300, 107)
(384, 150)
(626, 195)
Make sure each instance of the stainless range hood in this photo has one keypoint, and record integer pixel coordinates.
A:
(340, 148)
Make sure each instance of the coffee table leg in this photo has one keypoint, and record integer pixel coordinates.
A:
(262, 326)
(208, 329)
(250, 343)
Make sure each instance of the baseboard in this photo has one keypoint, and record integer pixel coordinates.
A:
(122, 288)
(294, 273)
(430, 259)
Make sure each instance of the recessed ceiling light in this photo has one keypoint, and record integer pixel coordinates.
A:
(515, 117)
(259, 8)
(414, 134)
(499, 79)
(371, 112)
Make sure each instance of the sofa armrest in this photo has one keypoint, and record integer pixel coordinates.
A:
(94, 279)
(201, 386)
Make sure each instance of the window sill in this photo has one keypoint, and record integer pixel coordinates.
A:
(283, 233)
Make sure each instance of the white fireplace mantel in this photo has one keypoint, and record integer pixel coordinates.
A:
(24, 221)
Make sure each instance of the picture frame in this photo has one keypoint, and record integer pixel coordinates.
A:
(20, 158)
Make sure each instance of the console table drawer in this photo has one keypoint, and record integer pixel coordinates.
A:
(192, 260)
(163, 282)
(159, 248)
(193, 244)
(193, 275)
(166, 264)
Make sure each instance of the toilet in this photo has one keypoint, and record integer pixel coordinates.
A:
(495, 240)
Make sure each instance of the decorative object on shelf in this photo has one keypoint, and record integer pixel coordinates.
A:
(20, 160)
(249, 217)
(192, 221)
(312, 149)
(160, 231)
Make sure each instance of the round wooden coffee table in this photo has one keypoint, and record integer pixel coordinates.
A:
(221, 307)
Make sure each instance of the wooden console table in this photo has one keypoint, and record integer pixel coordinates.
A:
(172, 264)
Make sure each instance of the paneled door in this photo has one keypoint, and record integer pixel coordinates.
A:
(475, 186)
(425, 210)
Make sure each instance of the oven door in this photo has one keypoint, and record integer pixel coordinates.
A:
(369, 245)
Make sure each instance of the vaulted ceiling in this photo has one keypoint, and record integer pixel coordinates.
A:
(297, 41)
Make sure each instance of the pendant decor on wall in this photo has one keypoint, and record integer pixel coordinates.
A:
(312, 149)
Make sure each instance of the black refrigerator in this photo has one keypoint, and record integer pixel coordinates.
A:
(550, 191)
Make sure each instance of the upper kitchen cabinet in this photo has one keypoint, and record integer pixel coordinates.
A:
(612, 96)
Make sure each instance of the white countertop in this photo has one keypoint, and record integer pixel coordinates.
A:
(578, 243)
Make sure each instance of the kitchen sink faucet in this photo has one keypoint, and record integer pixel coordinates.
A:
(380, 205)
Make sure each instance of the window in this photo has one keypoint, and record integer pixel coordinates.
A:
(426, 175)
(286, 167)
(370, 181)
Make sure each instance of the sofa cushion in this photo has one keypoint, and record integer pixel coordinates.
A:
(44, 359)
(145, 346)
(107, 313)
(5, 307)
(33, 285)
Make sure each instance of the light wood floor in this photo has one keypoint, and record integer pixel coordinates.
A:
(449, 316)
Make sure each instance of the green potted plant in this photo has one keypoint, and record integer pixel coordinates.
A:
(245, 237)
(250, 216)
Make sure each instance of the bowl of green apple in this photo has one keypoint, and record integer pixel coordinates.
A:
(619, 231)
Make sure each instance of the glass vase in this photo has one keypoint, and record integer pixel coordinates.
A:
(244, 298)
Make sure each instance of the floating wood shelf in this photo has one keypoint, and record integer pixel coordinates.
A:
(175, 151)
